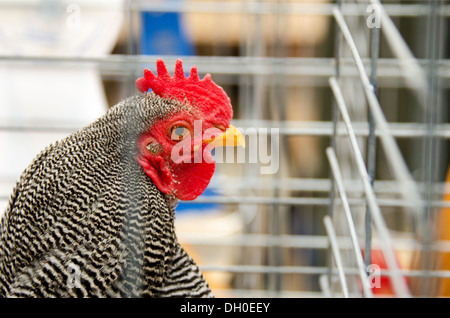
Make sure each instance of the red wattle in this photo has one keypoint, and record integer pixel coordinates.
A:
(191, 179)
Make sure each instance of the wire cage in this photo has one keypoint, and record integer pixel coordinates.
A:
(344, 187)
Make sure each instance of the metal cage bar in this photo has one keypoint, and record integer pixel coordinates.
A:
(276, 262)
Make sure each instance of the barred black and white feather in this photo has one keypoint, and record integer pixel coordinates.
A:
(84, 220)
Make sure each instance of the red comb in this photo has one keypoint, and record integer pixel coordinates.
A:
(204, 93)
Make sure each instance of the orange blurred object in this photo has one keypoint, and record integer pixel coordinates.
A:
(444, 235)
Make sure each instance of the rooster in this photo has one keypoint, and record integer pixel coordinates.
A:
(93, 214)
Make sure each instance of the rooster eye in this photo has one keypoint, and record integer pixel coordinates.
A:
(178, 132)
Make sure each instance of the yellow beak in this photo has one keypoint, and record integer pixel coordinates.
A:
(231, 137)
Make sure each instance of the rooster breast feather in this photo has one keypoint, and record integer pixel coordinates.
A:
(85, 220)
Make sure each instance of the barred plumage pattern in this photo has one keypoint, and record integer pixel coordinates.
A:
(84, 220)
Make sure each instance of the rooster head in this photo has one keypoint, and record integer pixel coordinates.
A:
(175, 151)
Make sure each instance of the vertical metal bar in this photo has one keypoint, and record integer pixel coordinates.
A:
(398, 283)
(279, 218)
(394, 157)
(348, 215)
(371, 141)
(132, 47)
(431, 147)
(414, 74)
(335, 111)
(337, 256)
(335, 117)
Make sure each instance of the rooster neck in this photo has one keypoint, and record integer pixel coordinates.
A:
(85, 203)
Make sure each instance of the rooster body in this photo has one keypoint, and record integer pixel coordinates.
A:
(93, 215)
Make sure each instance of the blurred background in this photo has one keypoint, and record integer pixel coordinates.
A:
(273, 225)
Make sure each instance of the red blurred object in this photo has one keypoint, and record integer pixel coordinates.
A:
(381, 285)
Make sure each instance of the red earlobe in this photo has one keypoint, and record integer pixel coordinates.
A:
(157, 170)
(153, 163)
